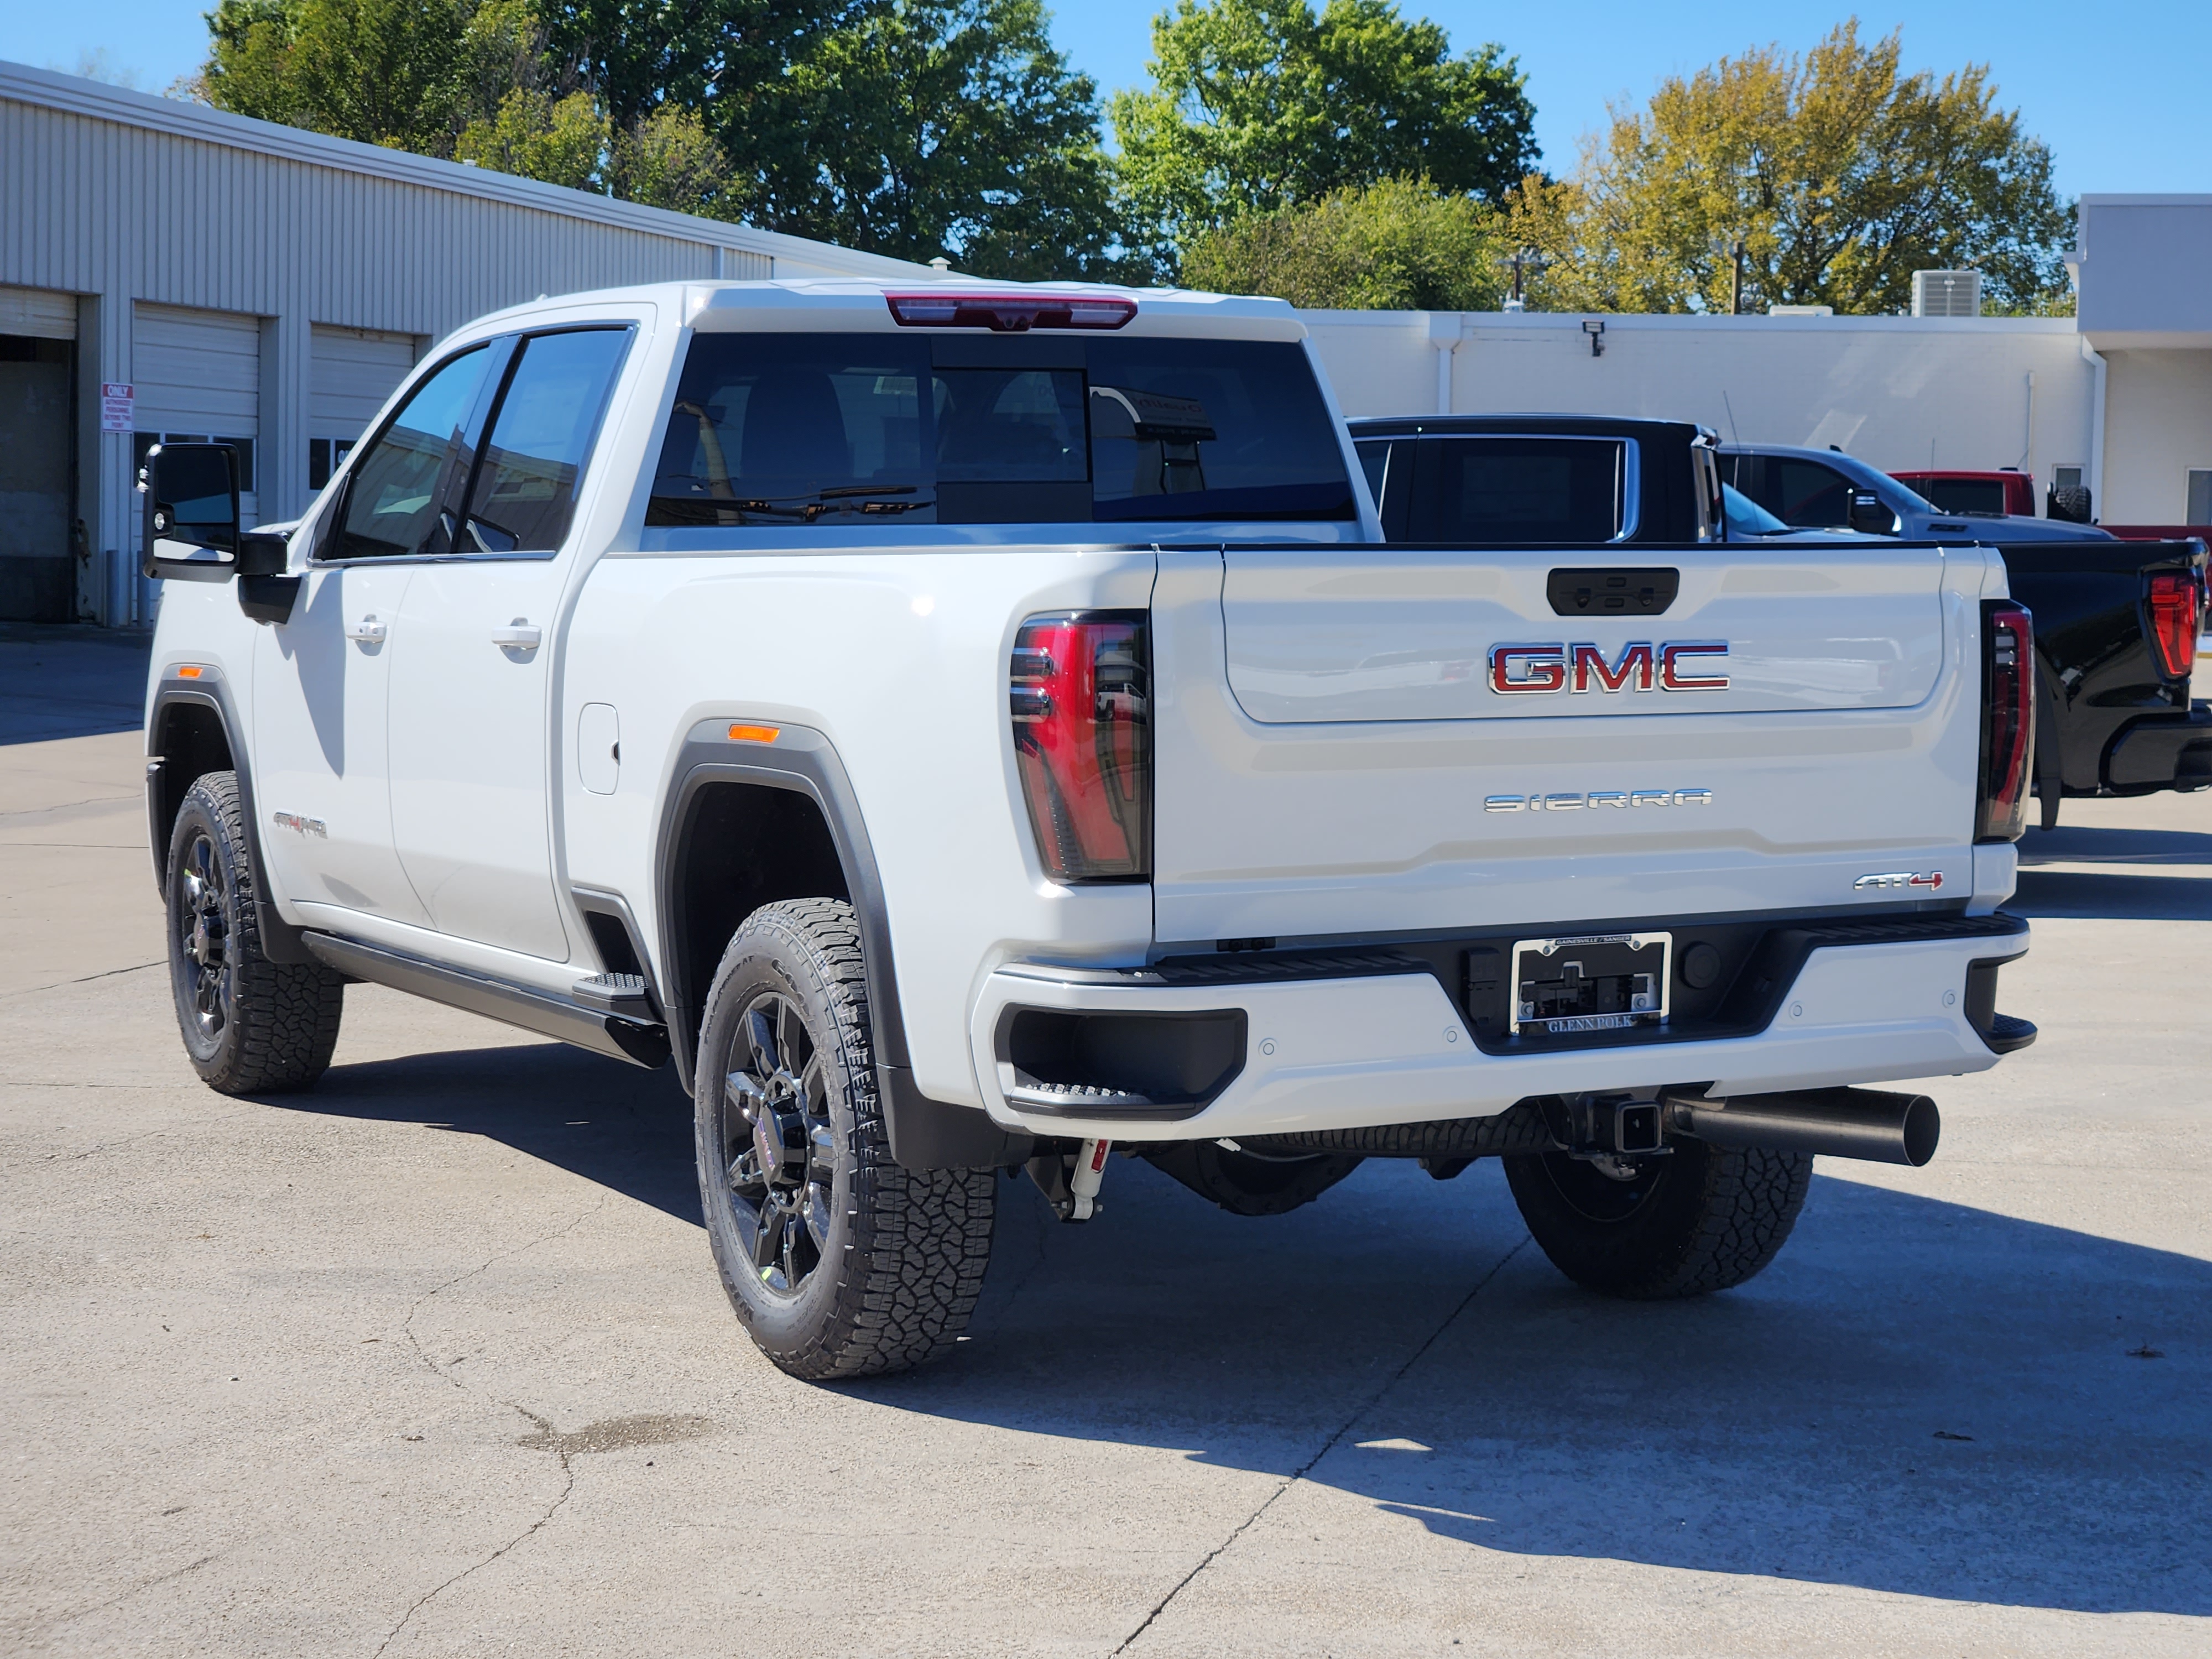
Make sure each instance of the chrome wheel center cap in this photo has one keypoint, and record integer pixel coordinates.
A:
(779, 1140)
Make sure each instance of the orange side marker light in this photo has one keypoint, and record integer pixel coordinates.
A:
(754, 733)
(190, 671)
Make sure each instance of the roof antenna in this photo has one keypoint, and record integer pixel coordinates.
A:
(1734, 437)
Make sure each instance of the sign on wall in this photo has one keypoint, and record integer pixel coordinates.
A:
(117, 403)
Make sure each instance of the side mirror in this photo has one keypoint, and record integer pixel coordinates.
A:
(191, 512)
(1870, 516)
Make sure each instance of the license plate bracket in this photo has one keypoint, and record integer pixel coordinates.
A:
(1590, 982)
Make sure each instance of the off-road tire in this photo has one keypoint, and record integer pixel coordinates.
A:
(250, 1025)
(1700, 1219)
(899, 1265)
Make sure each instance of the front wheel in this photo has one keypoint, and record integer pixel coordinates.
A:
(1700, 1219)
(250, 1025)
(841, 1261)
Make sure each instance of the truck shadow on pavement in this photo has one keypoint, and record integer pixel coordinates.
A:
(626, 1129)
(64, 681)
(1918, 1398)
(2054, 882)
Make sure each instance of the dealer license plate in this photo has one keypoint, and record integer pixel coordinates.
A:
(1590, 982)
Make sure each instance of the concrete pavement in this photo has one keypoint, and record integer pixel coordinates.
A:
(432, 1359)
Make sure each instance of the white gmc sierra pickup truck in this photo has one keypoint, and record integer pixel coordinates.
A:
(976, 729)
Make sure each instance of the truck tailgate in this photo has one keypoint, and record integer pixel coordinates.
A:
(1340, 754)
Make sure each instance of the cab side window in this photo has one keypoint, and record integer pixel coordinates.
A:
(393, 499)
(1810, 495)
(524, 493)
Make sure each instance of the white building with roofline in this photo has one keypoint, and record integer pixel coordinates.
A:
(166, 268)
(2118, 397)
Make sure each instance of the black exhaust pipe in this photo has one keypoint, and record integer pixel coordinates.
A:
(1863, 1123)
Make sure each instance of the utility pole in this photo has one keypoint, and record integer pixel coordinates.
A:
(1736, 289)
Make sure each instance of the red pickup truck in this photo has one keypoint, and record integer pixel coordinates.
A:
(1983, 495)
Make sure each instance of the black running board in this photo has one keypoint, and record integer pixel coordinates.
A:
(603, 1033)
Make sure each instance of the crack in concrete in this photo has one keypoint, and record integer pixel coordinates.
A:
(66, 807)
(1040, 1230)
(407, 1325)
(568, 1486)
(105, 973)
(124, 1595)
(1328, 1446)
(554, 1441)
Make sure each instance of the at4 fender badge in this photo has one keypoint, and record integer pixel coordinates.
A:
(1930, 881)
(300, 826)
(1677, 665)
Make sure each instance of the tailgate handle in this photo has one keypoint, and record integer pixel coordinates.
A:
(1612, 592)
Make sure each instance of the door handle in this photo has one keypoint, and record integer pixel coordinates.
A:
(517, 635)
(367, 630)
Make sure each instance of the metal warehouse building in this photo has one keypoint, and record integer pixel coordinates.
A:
(170, 269)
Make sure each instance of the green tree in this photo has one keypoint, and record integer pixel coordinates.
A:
(381, 71)
(1840, 175)
(929, 126)
(1398, 245)
(562, 140)
(906, 127)
(1259, 104)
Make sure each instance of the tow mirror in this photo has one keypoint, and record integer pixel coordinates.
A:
(1870, 516)
(191, 512)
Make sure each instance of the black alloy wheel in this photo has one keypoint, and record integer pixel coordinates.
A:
(840, 1261)
(208, 996)
(781, 1147)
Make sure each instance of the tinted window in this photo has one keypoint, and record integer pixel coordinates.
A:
(525, 491)
(1233, 429)
(840, 428)
(1521, 489)
(1805, 493)
(392, 503)
(1984, 496)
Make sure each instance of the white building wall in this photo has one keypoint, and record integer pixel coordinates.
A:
(113, 198)
(1899, 392)
(2158, 425)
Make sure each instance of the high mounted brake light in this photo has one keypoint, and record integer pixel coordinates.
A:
(2007, 720)
(1081, 712)
(2175, 603)
(1009, 313)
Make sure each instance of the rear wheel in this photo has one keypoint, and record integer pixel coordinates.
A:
(1699, 1219)
(841, 1261)
(250, 1025)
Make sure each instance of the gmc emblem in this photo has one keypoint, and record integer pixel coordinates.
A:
(1640, 667)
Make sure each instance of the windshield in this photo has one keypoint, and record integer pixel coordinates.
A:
(1747, 517)
(841, 428)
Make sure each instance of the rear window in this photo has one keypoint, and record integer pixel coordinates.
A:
(849, 428)
(1524, 490)
(1982, 497)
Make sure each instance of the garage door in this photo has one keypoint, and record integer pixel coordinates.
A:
(37, 438)
(353, 371)
(198, 376)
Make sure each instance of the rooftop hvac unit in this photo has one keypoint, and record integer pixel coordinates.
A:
(1946, 293)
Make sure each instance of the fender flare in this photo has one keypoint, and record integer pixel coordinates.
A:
(281, 942)
(925, 1134)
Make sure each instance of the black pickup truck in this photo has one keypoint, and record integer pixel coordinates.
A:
(2116, 623)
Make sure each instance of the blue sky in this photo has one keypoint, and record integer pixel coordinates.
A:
(2118, 90)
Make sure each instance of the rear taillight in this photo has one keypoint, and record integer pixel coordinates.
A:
(2173, 604)
(2007, 720)
(1082, 743)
